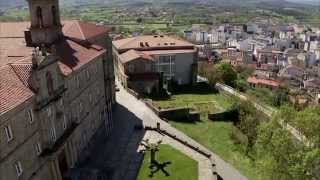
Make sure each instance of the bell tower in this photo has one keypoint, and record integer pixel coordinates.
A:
(45, 21)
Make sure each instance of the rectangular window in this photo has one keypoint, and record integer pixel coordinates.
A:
(164, 59)
(78, 81)
(64, 125)
(30, 116)
(101, 116)
(53, 134)
(80, 107)
(88, 74)
(90, 98)
(18, 168)
(8, 131)
(98, 91)
(97, 68)
(173, 59)
(38, 148)
(61, 102)
(49, 111)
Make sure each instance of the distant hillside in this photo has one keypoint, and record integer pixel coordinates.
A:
(11, 3)
(312, 2)
(4, 4)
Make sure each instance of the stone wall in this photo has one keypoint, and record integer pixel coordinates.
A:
(182, 114)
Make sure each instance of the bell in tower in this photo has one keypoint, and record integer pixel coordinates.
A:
(45, 21)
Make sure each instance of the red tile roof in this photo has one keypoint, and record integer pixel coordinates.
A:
(73, 29)
(12, 90)
(13, 29)
(133, 55)
(83, 30)
(151, 43)
(15, 58)
(73, 55)
(23, 71)
(268, 82)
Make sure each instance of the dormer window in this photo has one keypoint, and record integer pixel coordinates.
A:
(39, 17)
(30, 116)
(18, 168)
(9, 134)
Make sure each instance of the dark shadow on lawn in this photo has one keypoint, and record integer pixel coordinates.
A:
(186, 121)
(200, 88)
(157, 166)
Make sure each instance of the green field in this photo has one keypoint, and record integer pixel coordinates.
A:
(213, 135)
(181, 167)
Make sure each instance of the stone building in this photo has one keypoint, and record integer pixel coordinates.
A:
(139, 61)
(56, 91)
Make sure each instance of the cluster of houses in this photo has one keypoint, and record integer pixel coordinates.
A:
(282, 55)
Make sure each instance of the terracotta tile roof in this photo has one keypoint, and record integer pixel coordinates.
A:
(73, 55)
(73, 29)
(23, 71)
(12, 50)
(255, 80)
(133, 55)
(12, 90)
(15, 58)
(151, 43)
(13, 29)
(83, 30)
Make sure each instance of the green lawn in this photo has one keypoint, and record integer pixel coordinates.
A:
(202, 102)
(213, 135)
(181, 167)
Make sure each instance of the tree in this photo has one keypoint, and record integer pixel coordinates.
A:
(244, 71)
(152, 147)
(139, 20)
(281, 156)
(242, 85)
(280, 97)
(249, 120)
(210, 72)
(228, 74)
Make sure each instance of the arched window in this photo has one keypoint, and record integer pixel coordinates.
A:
(49, 83)
(54, 15)
(39, 17)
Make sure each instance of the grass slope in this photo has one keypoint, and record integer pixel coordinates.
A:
(213, 135)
